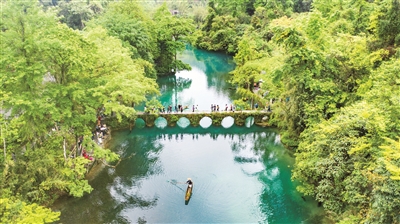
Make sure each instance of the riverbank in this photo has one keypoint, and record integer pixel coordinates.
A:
(97, 165)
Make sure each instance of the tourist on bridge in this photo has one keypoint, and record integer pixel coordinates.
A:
(193, 108)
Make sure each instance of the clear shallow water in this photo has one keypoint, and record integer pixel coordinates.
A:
(240, 174)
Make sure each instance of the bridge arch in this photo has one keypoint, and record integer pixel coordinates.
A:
(228, 122)
(249, 121)
(161, 122)
(205, 122)
(183, 122)
(140, 123)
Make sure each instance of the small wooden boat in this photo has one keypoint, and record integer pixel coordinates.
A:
(188, 192)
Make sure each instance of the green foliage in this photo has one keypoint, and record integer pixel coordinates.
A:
(333, 159)
(382, 89)
(391, 158)
(15, 211)
(153, 105)
(221, 34)
(386, 23)
(113, 65)
(42, 174)
(126, 21)
(76, 13)
(276, 8)
(349, 16)
(241, 105)
(131, 31)
(173, 119)
(172, 33)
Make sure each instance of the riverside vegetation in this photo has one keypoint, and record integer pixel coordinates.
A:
(332, 68)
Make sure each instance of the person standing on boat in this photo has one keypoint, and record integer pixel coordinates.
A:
(189, 181)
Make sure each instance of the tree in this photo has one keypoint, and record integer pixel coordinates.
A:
(248, 69)
(385, 23)
(113, 65)
(338, 163)
(382, 89)
(23, 72)
(307, 76)
(350, 163)
(16, 211)
(172, 33)
(126, 21)
(76, 13)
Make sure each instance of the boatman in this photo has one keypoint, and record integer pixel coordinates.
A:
(189, 181)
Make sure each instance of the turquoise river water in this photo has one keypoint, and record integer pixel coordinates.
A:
(240, 174)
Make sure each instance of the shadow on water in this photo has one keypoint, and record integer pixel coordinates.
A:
(175, 182)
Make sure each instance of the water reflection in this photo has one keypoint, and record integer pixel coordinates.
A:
(210, 72)
(216, 65)
(247, 172)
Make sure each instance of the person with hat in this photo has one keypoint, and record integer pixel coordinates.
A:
(189, 181)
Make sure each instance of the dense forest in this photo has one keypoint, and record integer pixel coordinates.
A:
(330, 71)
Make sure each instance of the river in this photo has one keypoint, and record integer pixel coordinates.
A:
(240, 174)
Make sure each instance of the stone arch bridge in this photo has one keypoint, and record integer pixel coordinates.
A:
(260, 117)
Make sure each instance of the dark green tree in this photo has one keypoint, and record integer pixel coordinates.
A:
(172, 34)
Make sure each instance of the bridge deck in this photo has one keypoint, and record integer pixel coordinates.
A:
(205, 112)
